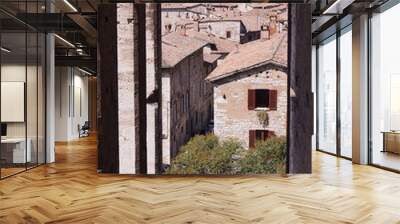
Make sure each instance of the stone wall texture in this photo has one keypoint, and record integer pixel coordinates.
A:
(187, 102)
(153, 85)
(231, 115)
(127, 97)
(220, 28)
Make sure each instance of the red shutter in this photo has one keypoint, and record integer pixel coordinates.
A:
(273, 99)
(252, 138)
(251, 102)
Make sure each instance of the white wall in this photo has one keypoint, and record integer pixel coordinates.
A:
(71, 102)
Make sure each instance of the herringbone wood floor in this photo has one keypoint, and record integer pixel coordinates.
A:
(70, 191)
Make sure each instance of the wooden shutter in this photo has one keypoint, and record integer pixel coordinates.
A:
(270, 134)
(251, 102)
(252, 138)
(273, 99)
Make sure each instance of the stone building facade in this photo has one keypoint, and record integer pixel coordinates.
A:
(234, 29)
(180, 16)
(186, 97)
(250, 81)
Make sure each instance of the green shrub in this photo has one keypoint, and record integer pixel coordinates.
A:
(205, 154)
(268, 157)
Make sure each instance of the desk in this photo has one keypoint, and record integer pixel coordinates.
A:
(13, 150)
(391, 141)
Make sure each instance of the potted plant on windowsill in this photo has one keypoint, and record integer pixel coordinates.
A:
(263, 117)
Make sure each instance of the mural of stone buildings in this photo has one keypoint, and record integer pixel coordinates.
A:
(249, 81)
(186, 96)
(222, 65)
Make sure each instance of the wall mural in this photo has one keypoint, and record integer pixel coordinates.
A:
(224, 88)
(216, 94)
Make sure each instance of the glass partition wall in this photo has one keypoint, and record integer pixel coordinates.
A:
(334, 94)
(385, 89)
(326, 105)
(22, 78)
(345, 91)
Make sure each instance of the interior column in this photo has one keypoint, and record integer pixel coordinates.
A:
(360, 90)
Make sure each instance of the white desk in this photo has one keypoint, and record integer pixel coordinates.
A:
(19, 155)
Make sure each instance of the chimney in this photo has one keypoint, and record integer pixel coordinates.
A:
(265, 32)
(184, 30)
(236, 48)
(273, 26)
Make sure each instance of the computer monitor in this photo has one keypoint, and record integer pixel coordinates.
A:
(3, 129)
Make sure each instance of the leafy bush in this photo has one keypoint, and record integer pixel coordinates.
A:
(205, 154)
(268, 157)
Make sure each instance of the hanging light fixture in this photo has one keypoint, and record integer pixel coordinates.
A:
(5, 50)
(70, 5)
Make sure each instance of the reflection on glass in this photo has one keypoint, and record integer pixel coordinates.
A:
(327, 96)
(41, 98)
(14, 153)
(346, 94)
(31, 100)
(385, 89)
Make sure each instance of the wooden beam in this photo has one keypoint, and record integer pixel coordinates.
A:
(300, 108)
(108, 135)
(140, 9)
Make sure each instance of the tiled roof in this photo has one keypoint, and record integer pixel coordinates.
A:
(225, 4)
(176, 47)
(178, 5)
(211, 58)
(274, 6)
(251, 22)
(223, 45)
(252, 55)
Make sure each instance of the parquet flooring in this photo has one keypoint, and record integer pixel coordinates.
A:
(70, 191)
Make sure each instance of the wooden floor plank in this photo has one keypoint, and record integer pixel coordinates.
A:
(71, 191)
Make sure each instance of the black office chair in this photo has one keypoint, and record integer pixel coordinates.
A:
(84, 130)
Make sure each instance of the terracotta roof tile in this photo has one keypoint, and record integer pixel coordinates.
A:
(253, 54)
(178, 5)
(223, 45)
(211, 58)
(250, 22)
(176, 47)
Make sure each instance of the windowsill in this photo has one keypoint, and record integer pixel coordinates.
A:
(262, 109)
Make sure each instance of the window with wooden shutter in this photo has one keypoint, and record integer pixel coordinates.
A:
(252, 138)
(273, 99)
(262, 98)
(270, 134)
(251, 102)
(263, 135)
